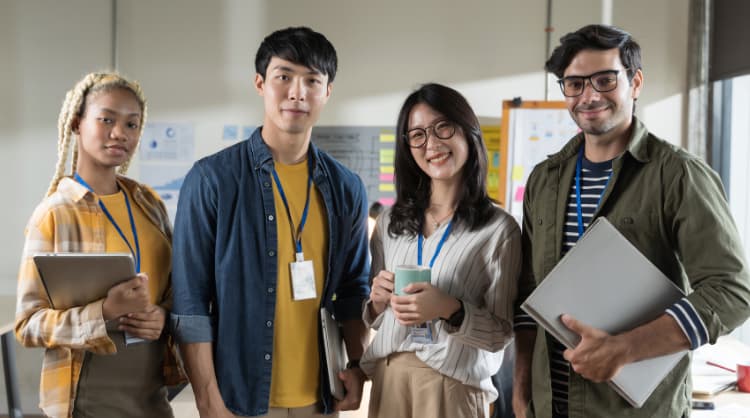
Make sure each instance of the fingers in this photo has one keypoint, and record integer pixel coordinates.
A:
(573, 324)
(417, 287)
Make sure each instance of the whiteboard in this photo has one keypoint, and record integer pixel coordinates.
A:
(535, 129)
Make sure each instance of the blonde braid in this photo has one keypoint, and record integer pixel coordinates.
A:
(73, 108)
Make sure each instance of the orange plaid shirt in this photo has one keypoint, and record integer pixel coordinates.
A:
(77, 223)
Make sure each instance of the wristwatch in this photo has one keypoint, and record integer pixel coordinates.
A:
(457, 318)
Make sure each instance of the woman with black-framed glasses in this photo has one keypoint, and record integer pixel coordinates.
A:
(439, 342)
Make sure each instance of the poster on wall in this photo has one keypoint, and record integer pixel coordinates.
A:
(166, 154)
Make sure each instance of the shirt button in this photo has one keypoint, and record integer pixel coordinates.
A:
(266, 184)
(270, 290)
(270, 217)
(271, 253)
(267, 357)
(539, 221)
(268, 324)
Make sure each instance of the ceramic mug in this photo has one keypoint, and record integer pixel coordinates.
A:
(408, 274)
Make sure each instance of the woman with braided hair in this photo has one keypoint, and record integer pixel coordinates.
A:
(88, 369)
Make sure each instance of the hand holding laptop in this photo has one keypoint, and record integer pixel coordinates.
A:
(126, 297)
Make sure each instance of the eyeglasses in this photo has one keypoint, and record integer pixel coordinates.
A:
(417, 137)
(603, 81)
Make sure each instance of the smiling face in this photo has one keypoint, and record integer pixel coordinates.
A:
(293, 96)
(598, 114)
(108, 130)
(441, 159)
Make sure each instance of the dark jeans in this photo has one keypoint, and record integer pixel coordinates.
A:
(503, 382)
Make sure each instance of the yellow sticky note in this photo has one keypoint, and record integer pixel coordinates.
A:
(385, 187)
(387, 138)
(517, 172)
(387, 169)
(387, 156)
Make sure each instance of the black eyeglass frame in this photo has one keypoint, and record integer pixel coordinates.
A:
(434, 131)
(583, 78)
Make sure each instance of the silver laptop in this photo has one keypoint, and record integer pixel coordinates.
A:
(335, 353)
(605, 282)
(75, 279)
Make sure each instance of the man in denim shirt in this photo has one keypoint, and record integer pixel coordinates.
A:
(669, 204)
(267, 232)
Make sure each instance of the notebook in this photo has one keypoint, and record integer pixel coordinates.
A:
(605, 282)
(75, 279)
(335, 353)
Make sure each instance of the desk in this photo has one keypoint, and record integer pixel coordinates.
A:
(7, 341)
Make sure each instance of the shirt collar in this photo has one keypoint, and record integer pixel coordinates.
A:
(261, 155)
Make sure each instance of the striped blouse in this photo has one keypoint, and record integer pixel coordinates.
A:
(479, 267)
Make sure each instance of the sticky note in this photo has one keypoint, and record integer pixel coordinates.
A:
(387, 156)
(387, 169)
(387, 187)
(387, 201)
(386, 177)
(387, 138)
(518, 197)
(517, 173)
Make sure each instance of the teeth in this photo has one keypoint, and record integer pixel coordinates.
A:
(439, 159)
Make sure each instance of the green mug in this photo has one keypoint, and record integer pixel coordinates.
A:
(408, 274)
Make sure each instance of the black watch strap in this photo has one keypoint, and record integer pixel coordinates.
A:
(457, 318)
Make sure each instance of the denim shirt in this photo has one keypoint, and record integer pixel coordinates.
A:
(225, 267)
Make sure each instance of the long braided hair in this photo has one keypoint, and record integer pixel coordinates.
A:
(73, 109)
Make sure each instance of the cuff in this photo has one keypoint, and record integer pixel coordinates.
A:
(191, 328)
(369, 321)
(523, 321)
(691, 324)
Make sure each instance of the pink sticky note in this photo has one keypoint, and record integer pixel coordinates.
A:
(387, 201)
(519, 194)
(386, 177)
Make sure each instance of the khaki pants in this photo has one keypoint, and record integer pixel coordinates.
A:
(312, 411)
(403, 386)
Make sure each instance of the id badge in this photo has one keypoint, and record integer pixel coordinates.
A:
(422, 333)
(303, 278)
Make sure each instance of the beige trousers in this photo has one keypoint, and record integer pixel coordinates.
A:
(403, 386)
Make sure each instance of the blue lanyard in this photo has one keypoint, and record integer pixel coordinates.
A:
(296, 236)
(137, 252)
(420, 241)
(579, 210)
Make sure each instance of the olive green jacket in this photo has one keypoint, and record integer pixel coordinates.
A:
(672, 207)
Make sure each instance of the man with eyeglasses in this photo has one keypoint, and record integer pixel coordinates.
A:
(668, 203)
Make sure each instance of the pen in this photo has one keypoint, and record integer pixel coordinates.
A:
(711, 363)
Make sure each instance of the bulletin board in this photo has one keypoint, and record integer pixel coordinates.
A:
(531, 130)
(369, 151)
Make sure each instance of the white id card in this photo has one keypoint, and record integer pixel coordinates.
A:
(303, 278)
(422, 333)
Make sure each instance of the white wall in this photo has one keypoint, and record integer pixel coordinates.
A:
(194, 59)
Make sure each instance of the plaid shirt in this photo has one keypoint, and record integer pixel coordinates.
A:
(76, 223)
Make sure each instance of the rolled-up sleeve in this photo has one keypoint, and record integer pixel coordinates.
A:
(193, 259)
(709, 247)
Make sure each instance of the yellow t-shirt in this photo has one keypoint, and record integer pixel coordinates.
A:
(296, 362)
(156, 253)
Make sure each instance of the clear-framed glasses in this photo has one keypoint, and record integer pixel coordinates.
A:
(602, 81)
(417, 137)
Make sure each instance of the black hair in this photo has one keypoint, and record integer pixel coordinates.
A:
(413, 186)
(300, 45)
(599, 37)
(375, 210)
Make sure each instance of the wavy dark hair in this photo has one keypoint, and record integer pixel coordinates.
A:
(413, 186)
(598, 37)
(300, 45)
